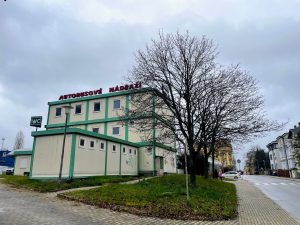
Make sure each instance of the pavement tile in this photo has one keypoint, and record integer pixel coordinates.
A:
(28, 208)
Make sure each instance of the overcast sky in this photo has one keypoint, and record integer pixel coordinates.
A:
(54, 47)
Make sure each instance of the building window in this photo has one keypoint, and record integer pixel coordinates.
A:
(130, 151)
(114, 148)
(96, 129)
(116, 130)
(101, 145)
(124, 150)
(82, 142)
(97, 107)
(117, 104)
(161, 163)
(92, 144)
(135, 151)
(58, 112)
(78, 109)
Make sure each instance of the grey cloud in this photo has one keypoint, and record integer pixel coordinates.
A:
(45, 52)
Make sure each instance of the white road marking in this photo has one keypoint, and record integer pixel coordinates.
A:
(274, 183)
(1, 210)
(257, 184)
(292, 183)
(266, 184)
(283, 183)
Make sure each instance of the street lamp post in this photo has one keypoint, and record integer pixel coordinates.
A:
(67, 112)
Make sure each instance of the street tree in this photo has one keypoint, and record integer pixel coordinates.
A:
(174, 68)
(234, 111)
(191, 97)
(19, 140)
(258, 159)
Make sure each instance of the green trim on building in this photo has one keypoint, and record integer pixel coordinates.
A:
(153, 133)
(22, 152)
(138, 161)
(68, 117)
(157, 144)
(72, 156)
(32, 157)
(105, 120)
(106, 151)
(106, 115)
(48, 115)
(107, 95)
(120, 164)
(82, 132)
(127, 112)
(15, 164)
(87, 110)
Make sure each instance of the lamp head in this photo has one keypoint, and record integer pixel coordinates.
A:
(67, 108)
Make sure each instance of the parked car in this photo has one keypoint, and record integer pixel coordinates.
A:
(10, 171)
(231, 175)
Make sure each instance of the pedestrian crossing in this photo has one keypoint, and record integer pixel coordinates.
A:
(277, 184)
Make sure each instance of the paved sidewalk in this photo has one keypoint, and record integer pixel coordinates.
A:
(256, 209)
(27, 208)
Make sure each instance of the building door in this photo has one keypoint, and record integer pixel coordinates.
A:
(159, 161)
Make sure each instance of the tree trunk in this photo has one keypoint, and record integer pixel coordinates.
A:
(213, 163)
(206, 167)
(192, 168)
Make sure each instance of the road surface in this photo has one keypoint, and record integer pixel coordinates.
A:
(286, 193)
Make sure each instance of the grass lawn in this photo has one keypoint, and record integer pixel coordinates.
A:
(51, 185)
(165, 197)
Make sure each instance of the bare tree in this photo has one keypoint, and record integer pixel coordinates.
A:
(233, 111)
(173, 68)
(194, 99)
(19, 140)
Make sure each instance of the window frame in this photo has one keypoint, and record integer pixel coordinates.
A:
(98, 102)
(84, 143)
(95, 128)
(75, 108)
(114, 148)
(112, 131)
(92, 141)
(114, 104)
(102, 143)
(56, 108)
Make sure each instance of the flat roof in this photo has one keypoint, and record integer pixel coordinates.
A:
(99, 96)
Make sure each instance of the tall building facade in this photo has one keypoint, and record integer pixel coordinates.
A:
(102, 139)
(281, 152)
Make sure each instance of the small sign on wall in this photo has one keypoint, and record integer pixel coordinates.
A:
(36, 121)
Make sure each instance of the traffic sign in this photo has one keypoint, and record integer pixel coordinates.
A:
(36, 121)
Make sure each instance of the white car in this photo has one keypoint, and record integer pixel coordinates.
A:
(231, 174)
(10, 171)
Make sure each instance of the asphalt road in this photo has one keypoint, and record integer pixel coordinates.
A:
(286, 193)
